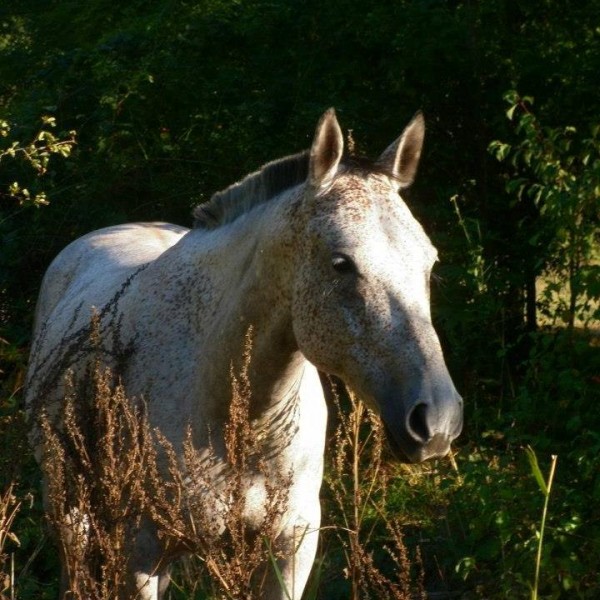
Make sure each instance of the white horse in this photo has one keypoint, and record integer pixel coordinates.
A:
(318, 254)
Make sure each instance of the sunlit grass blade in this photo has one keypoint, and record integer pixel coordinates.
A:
(546, 488)
(277, 570)
(535, 469)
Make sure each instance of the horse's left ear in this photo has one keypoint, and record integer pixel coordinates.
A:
(326, 151)
(401, 158)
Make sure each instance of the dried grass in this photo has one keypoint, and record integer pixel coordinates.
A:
(9, 507)
(211, 519)
(108, 472)
(360, 494)
(95, 467)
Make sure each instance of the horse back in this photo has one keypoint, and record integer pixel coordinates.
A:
(83, 278)
(92, 265)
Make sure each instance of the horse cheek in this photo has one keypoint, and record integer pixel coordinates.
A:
(313, 324)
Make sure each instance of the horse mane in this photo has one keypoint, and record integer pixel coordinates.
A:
(269, 181)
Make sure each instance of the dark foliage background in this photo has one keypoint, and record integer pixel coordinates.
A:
(175, 99)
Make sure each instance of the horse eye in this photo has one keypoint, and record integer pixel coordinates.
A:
(343, 264)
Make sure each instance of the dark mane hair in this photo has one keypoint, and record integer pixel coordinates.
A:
(272, 179)
(269, 181)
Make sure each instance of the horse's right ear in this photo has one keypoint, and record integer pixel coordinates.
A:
(326, 151)
(401, 159)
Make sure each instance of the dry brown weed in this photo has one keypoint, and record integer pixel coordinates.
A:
(9, 507)
(233, 555)
(107, 470)
(360, 491)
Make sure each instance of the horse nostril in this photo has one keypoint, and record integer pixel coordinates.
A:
(417, 423)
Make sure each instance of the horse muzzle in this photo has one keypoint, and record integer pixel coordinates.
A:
(424, 431)
(437, 447)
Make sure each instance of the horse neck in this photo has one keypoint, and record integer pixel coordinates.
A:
(254, 263)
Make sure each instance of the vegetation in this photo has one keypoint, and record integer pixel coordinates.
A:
(173, 99)
(99, 494)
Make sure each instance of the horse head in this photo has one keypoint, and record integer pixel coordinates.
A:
(361, 305)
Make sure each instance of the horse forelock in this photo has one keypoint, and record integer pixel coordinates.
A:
(268, 182)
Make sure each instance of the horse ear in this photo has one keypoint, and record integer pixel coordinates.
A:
(326, 151)
(401, 159)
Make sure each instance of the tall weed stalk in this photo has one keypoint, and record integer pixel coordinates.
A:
(9, 507)
(97, 492)
(546, 488)
(109, 472)
(359, 483)
(211, 519)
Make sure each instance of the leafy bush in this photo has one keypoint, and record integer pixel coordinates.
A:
(557, 176)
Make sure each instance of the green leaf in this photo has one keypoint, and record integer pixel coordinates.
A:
(511, 96)
(511, 111)
(46, 120)
(499, 150)
(277, 570)
(535, 469)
